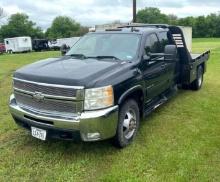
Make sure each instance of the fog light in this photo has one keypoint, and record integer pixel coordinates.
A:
(93, 136)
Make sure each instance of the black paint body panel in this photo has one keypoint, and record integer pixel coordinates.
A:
(151, 79)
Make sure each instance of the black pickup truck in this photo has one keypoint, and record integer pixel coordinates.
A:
(106, 82)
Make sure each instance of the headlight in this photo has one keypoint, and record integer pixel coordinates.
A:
(98, 98)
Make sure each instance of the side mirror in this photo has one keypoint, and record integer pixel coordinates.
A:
(170, 53)
(146, 57)
(64, 49)
(63, 52)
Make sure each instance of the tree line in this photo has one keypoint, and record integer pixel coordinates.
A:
(203, 26)
(19, 24)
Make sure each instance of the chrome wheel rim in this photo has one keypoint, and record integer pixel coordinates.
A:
(129, 124)
(200, 80)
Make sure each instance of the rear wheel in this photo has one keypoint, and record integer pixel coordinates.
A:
(128, 124)
(197, 84)
(185, 87)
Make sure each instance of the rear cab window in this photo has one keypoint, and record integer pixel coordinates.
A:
(152, 44)
(165, 38)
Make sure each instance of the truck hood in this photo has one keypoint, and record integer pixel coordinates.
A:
(69, 71)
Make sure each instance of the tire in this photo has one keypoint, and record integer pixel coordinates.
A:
(128, 124)
(197, 84)
(185, 87)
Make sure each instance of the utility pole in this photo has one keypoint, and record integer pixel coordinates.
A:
(134, 11)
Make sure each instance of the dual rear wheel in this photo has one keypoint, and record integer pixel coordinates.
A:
(197, 84)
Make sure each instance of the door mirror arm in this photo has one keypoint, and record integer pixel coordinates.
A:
(167, 57)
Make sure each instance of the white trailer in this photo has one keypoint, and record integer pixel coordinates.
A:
(18, 44)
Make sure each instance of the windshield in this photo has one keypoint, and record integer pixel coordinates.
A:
(120, 46)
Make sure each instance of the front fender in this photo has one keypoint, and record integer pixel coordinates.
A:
(129, 92)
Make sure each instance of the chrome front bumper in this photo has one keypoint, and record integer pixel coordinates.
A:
(92, 125)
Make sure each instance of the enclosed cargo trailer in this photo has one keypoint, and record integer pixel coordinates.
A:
(18, 44)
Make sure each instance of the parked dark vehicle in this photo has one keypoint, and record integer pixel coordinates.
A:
(106, 82)
(2, 48)
(40, 44)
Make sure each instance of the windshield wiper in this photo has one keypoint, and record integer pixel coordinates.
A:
(105, 57)
(95, 57)
(78, 56)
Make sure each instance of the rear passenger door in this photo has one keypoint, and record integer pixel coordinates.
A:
(153, 68)
(170, 67)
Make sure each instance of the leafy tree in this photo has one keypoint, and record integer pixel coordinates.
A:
(201, 28)
(63, 26)
(82, 31)
(213, 22)
(188, 21)
(151, 15)
(20, 25)
(172, 19)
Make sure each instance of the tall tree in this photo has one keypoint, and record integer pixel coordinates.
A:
(20, 25)
(188, 21)
(82, 31)
(201, 27)
(213, 22)
(172, 19)
(63, 26)
(151, 15)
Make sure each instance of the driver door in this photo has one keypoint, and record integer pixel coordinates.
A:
(153, 68)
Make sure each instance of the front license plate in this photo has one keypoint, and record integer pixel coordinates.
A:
(39, 133)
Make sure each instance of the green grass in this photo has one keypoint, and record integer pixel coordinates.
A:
(180, 141)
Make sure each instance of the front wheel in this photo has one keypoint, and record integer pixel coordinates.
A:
(197, 84)
(128, 124)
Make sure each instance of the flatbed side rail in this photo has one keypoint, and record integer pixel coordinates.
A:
(205, 54)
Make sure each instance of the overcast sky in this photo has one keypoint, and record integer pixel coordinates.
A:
(92, 12)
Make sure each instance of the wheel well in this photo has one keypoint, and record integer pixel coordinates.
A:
(138, 96)
(203, 67)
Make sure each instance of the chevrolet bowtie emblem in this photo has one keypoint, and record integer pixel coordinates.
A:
(38, 96)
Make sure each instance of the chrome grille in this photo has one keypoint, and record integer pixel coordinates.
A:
(48, 105)
(48, 89)
(49, 98)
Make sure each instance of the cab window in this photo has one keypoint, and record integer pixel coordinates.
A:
(163, 37)
(152, 44)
